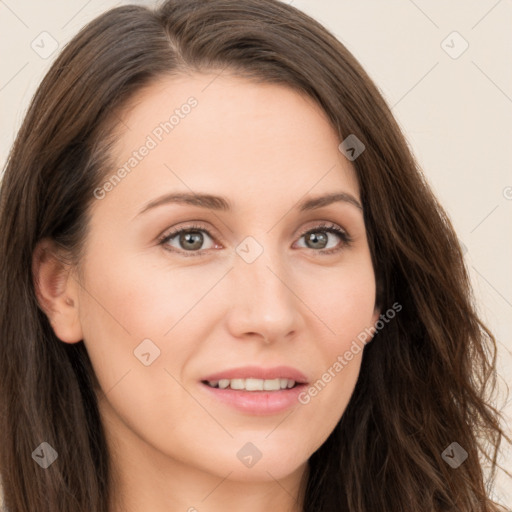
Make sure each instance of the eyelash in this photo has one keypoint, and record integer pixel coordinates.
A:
(329, 228)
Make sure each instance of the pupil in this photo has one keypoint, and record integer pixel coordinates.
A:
(313, 237)
(189, 239)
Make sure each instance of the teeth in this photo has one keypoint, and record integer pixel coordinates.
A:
(253, 384)
(256, 385)
(223, 383)
(237, 384)
(271, 385)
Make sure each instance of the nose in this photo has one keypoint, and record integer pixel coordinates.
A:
(262, 304)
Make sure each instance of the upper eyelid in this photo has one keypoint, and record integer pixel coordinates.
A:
(176, 231)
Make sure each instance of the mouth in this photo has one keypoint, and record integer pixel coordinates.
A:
(256, 391)
(252, 384)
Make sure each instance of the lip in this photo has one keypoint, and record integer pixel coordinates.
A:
(257, 403)
(258, 372)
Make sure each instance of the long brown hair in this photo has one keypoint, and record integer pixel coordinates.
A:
(426, 379)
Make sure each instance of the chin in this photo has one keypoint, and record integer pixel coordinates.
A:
(274, 464)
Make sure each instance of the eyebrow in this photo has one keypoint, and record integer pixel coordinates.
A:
(221, 203)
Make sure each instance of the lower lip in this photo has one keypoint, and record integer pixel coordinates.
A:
(257, 402)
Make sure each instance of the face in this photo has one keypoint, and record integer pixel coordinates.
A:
(251, 286)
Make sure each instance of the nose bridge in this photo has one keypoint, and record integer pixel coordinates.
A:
(262, 300)
(263, 273)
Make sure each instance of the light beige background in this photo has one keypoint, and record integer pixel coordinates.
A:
(456, 111)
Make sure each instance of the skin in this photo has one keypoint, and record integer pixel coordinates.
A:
(265, 148)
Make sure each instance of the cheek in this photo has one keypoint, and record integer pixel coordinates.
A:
(136, 309)
(144, 298)
(345, 306)
(343, 300)
(120, 308)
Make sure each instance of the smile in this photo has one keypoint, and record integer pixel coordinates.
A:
(252, 384)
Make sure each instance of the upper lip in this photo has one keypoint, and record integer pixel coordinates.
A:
(259, 372)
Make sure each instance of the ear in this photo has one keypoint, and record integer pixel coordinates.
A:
(56, 291)
(375, 318)
(376, 315)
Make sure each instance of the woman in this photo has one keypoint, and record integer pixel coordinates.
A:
(226, 284)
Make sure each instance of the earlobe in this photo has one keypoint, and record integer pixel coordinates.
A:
(56, 291)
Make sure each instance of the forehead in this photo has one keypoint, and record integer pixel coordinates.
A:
(223, 134)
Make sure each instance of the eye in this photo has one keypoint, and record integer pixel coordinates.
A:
(189, 240)
(318, 239)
